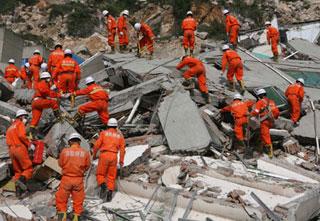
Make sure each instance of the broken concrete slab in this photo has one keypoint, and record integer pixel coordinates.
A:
(49, 168)
(6, 90)
(305, 47)
(23, 96)
(4, 171)
(92, 65)
(19, 212)
(135, 155)
(182, 124)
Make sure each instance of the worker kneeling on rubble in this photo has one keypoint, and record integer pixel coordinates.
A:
(295, 95)
(18, 144)
(267, 111)
(109, 143)
(196, 68)
(147, 40)
(240, 112)
(74, 162)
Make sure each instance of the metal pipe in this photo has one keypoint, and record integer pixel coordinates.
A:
(290, 55)
(133, 111)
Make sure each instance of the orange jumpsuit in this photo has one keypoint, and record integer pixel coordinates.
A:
(273, 37)
(111, 29)
(232, 29)
(35, 62)
(74, 162)
(234, 62)
(147, 39)
(196, 68)
(11, 72)
(55, 58)
(109, 143)
(68, 75)
(25, 75)
(261, 110)
(41, 100)
(189, 25)
(295, 94)
(99, 101)
(18, 144)
(122, 27)
(239, 110)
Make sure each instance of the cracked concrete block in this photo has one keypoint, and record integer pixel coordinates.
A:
(4, 171)
(16, 212)
(92, 65)
(23, 96)
(6, 90)
(291, 146)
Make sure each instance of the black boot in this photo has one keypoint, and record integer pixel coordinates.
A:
(58, 115)
(109, 196)
(186, 51)
(62, 216)
(103, 191)
(21, 186)
(191, 53)
(33, 133)
(207, 98)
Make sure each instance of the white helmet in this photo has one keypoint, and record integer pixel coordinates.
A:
(225, 11)
(44, 66)
(112, 122)
(189, 13)
(125, 12)
(137, 26)
(74, 136)
(225, 47)
(20, 113)
(301, 80)
(11, 61)
(237, 97)
(89, 80)
(45, 75)
(105, 12)
(27, 65)
(36, 51)
(68, 51)
(261, 91)
(267, 23)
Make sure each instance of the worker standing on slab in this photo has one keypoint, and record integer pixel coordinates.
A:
(67, 73)
(295, 95)
(74, 162)
(147, 39)
(240, 112)
(26, 76)
(42, 99)
(196, 68)
(11, 72)
(18, 145)
(111, 25)
(266, 111)
(35, 62)
(123, 31)
(110, 142)
(99, 101)
(233, 60)
(55, 58)
(273, 38)
(189, 26)
(232, 28)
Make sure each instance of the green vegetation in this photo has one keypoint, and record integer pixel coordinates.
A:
(7, 6)
(216, 30)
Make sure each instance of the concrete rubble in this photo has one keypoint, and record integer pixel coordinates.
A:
(181, 163)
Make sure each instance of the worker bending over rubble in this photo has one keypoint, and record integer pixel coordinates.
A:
(273, 37)
(18, 145)
(110, 142)
(196, 68)
(35, 62)
(266, 111)
(55, 58)
(99, 101)
(147, 39)
(189, 26)
(11, 72)
(74, 162)
(295, 95)
(232, 28)
(240, 112)
(235, 67)
(123, 31)
(111, 26)
(26, 76)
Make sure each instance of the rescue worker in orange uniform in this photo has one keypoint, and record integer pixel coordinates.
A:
(42, 99)
(232, 28)
(18, 145)
(111, 25)
(35, 62)
(26, 76)
(235, 67)
(55, 57)
(147, 39)
(240, 112)
(123, 30)
(266, 111)
(74, 162)
(11, 72)
(189, 26)
(295, 95)
(99, 101)
(273, 38)
(196, 68)
(67, 73)
(110, 142)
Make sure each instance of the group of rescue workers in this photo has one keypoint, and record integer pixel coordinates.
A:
(59, 79)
